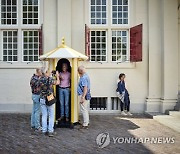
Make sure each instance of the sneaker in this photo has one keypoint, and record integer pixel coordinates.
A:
(38, 129)
(67, 119)
(61, 118)
(123, 113)
(83, 127)
(51, 134)
(45, 133)
(129, 113)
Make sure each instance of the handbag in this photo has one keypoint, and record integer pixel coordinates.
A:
(50, 99)
(121, 96)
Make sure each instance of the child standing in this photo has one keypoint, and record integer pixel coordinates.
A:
(123, 95)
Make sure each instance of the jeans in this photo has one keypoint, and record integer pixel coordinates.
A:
(35, 115)
(64, 101)
(126, 104)
(47, 112)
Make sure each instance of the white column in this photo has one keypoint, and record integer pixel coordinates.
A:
(109, 104)
(170, 54)
(49, 25)
(179, 51)
(64, 21)
(154, 66)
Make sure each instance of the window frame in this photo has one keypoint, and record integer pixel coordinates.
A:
(107, 16)
(39, 2)
(109, 27)
(106, 47)
(22, 46)
(17, 16)
(19, 27)
(120, 25)
(128, 46)
(7, 49)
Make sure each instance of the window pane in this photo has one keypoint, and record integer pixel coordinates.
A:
(103, 58)
(14, 58)
(3, 2)
(120, 2)
(35, 8)
(103, 2)
(92, 15)
(114, 8)
(15, 52)
(3, 15)
(35, 2)
(92, 2)
(125, 2)
(114, 2)
(3, 9)
(113, 58)
(4, 52)
(114, 15)
(125, 8)
(13, 9)
(98, 2)
(24, 21)
(8, 2)
(114, 21)
(4, 58)
(13, 2)
(35, 52)
(10, 58)
(103, 8)
(35, 21)
(113, 52)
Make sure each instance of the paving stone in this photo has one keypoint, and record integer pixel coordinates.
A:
(16, 137)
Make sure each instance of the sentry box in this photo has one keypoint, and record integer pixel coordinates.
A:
(55, 58)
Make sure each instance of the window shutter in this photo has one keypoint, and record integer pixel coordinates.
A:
(87, 41)
(41, 40)
(136, 43)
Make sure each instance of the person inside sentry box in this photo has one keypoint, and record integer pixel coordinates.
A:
(123, 95)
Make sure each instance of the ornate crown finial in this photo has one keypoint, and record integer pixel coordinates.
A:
(63, 40)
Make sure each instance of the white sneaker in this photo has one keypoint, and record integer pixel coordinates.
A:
(123, 113)
(129, 113)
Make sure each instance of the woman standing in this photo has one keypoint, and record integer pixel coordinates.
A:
(123, 95)
(46, 88)
(64, 92)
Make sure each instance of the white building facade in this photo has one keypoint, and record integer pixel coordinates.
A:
(29, 28)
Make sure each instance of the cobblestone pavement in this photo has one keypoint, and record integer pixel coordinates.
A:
(16, 137)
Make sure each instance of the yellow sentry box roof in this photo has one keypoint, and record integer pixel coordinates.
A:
(63, 51)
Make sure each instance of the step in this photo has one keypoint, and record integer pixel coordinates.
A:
(175, 114)
(169, 121)
(152, 114)
(177, 106)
